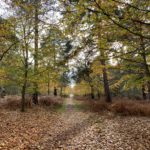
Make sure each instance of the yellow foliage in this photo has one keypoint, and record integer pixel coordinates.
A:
(81, 88)
(97, 68)
(2, 76)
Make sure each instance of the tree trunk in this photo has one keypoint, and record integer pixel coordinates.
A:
(23, 97)
(35, 97)
(146, 67)
(98, 94)
(105, 81)
(104, 70)
(36, 22)
(92, 92)
(143, 92)
(48, 88)
(25, 83)
(48, 83)
(147, 74)
(25, 54)
(55, 91)
(148, 86)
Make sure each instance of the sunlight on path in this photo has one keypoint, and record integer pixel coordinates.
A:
(69, 104)
(69, 101)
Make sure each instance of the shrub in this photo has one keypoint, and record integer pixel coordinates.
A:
(122, 106)
(14, 103)
(50, 101)
(94, 105)
(132, 108)
(98, 106)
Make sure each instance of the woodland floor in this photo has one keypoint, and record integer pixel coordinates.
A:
(71, 128)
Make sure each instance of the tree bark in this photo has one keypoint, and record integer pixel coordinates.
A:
(146, 67)
(147, 73)
(143, 92)
(106, 84)
(48, 83)
(92, 92)
(25, 54)
(55, 91)
(36, 42)
(48, 88)
(108, 98)
(23, 97)
(25, 83)
(98, 94)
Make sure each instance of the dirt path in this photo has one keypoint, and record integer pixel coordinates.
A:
(70, 128)
(73, 123)
(84, 130)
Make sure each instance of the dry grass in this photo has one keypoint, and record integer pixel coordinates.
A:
(97, 106)
(131, 108)
(50, 101)
(14, 102)
(124, 106)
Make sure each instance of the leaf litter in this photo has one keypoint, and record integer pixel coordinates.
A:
(72, 129)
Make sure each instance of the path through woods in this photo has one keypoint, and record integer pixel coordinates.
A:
(71, 128)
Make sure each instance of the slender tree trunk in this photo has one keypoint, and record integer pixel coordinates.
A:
(147, 73)
(143, 92)
(23, 93)
(148, 95)
(108, 97)
(55, 91)
(23, 99)
(25, 83)
(36, 21)
(48, 83)
(146, 67)
(92, 92)
(98, 94)
(48, 88)
(105, 81)
(25, 54)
